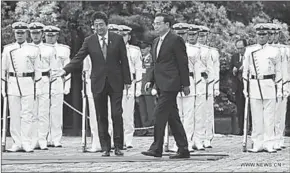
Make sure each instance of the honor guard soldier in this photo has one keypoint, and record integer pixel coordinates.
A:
(146, 99)
(20, 62)
(87, 68)
(203, 75)
(41, 115)
(114, 28)
(185, 103)
(213, 88)
(128, 102)
(262, 69)
(59, 87)
(281, 105)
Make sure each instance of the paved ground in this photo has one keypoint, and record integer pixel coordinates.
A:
(226, 156)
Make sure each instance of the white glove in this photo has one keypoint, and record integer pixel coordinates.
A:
(3, 92)
(147, 86)
(66, 91)
(286, 93)
(153, 92)
(246, 94)
(216, 92)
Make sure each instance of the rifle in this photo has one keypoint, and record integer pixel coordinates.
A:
(4, 128)
(84, 116)
(49, 112)
(246, 114)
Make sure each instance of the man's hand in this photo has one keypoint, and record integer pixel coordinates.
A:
(286, 94)
(241, 68)
(57, 74)
(186, 90)
(147, 86)
(235, 70)
(279, 94)
(216, 92)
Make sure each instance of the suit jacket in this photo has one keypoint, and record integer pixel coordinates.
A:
(115, 68)
(170, 71)
(237, 83)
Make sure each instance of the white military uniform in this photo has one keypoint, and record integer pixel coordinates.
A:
(203, 67)
(41, 107)
(281, 106)
(128, 103)
(59, 87)
(213, 90)
(267, 61)
(18, 61)
(87, 68)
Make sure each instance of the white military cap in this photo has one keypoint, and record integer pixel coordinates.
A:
(262, 28)
(113, 27)
(125, 29)
(36, 26)
(203, 29)
(180, 28)
(51, 30)
(193, 29)
(20, 26)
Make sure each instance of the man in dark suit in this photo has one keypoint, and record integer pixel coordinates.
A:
(110, 73)
(170, 75)
(237, 69)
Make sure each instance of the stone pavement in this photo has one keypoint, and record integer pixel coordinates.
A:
(225, 156)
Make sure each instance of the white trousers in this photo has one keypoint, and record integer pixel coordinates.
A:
(280, 118)
(21, 115)
(263, 117)
(128, 104)
(209, 120)
(56, 118)
(94, 125)
(186, 112)
(199, 119)
(40, 121)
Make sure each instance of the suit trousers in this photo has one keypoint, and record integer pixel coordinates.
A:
(166, 111)
(146, 106)
(21, 114)
(101, 105)
(263, 117)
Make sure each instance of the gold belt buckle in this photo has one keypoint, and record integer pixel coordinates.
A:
(260, 77)
(19, 74)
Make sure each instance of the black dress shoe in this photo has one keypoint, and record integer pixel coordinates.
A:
(151, 153)
(118, 152)
(180, 155)
(106, 154)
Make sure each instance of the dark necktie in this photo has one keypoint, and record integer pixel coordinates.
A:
(104, 47)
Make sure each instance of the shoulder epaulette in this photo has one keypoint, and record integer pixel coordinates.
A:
(63, 45)
(7, 45)
(135, 47)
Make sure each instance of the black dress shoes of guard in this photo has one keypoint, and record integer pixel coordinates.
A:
(180, 155)
(151, 153)
(118, 152)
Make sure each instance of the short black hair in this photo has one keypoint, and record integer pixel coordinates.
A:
(245, 43)
(100, 15)
(166, 18)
